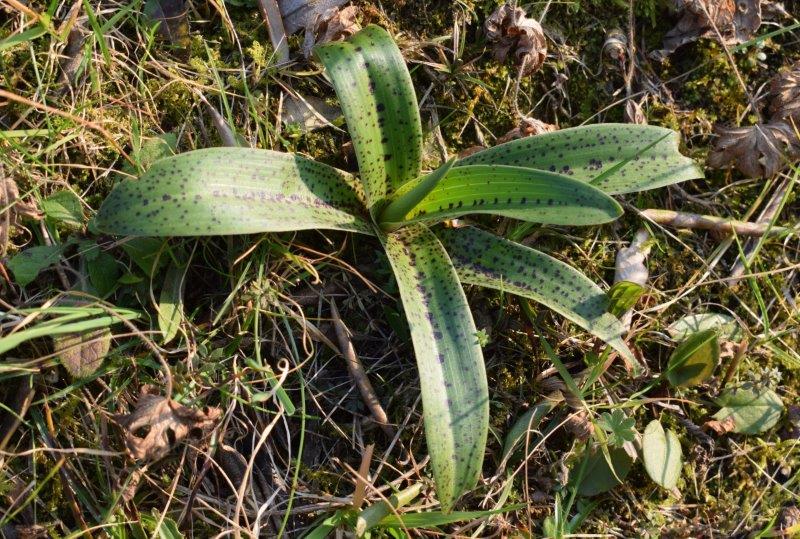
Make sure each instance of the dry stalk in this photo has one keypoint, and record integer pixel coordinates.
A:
(358, 373)
(679, 219)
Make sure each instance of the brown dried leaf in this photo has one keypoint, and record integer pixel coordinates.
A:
(736, 20)
(527, 127)
(758, 151)
(299, 14)
(785, 89)
(578, 424)
(12, 209)
(634, 113)
(721, 427)
(83, 353)
(158, 424)
(332, 25)
(510, 29)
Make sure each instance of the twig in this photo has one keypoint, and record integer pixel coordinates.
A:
(734, 364)
(277, 34)
(679, 219)
(224, 130)
(362, 479)
(358, 373)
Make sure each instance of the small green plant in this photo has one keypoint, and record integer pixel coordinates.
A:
(561, 178)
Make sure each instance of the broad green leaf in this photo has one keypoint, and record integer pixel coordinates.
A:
(146, 253)
(233, 191)
(83, 353)
(411, 193)
(726, 326)
(622, 296)
(64, 207)
(752, 410)
(104, 271)
(661, 452)
(26, 265)
(601, 474)
(380, 107)
(170, 305)
(693, 361)
(521, 193)
(485, 260)
(455, 396)
(590, 153)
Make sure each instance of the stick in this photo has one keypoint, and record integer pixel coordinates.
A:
(678, 219)
(358, 373)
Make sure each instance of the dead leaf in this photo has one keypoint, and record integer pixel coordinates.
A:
(158, 424)
(83, 353)
(300, 14)
(527, 127)
(615, 47)
(736, 20)
(510, 29)
(12, 209)
(308, 112)
(333, 24)
(171, 17)
(785, 89)
(578, 424)
(721, 427)
(758, 151)
(630, 263)
(634, 113)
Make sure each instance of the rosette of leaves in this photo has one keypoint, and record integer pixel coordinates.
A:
(563, 178)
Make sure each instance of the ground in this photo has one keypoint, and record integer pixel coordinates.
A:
(257, 305)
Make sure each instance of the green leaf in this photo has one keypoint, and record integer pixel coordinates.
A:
(170, 305)
(378, 101)
(76, 320)
(26, 265)
(753, 410)
(103, 272)
(661, 452)
(410, 194)
(521, 193)
(693, 361)
(485, 260)
(431, 519)
(371, 516)
(727, 327)
(620, 427)
(622, 296)
(146, 253)
(528, 422)
(64, 207)
(83, 353)
(233, 191)
(601, 474)
(455, 396)
(590, 153)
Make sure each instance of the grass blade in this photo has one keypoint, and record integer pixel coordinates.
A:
(486, 260)
(234, 191)
(587, 153)
(455, 395)
(521, 193)
(379, 104)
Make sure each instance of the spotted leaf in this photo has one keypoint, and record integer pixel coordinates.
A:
(455, 396)
(234, 191)
(483, 259)
(617, 158)
(379, 104)
(521, 193)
